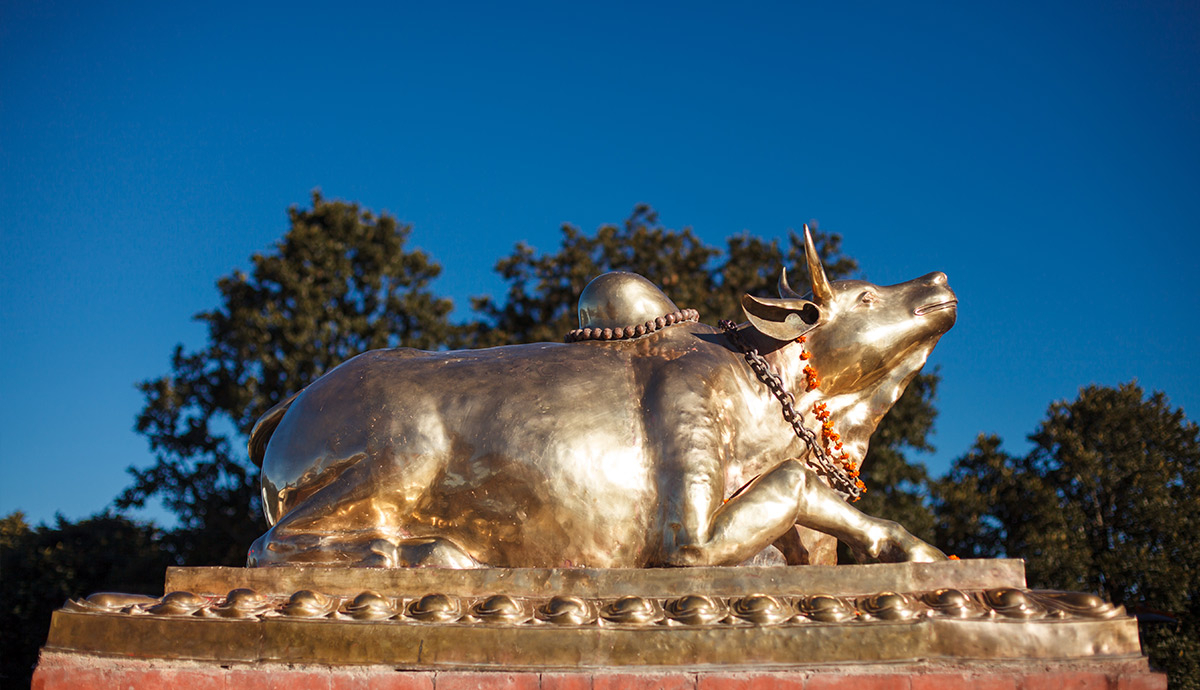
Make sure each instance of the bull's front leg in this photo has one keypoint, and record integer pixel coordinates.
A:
(823, 509)
(692, 426)
(787, 495)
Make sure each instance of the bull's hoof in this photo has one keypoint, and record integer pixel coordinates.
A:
(923, 552)
(891, 543)
(434, 552)
(271, 550)
(383, 554)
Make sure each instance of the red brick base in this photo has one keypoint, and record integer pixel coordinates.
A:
(80, 672)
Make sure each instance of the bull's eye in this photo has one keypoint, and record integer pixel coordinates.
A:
(868, 297)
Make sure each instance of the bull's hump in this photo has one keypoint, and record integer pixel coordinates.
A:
(618, 299)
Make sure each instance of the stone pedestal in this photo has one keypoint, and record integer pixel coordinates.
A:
(877, 626)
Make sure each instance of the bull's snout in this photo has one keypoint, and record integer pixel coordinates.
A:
(937, 294)
(934, 279)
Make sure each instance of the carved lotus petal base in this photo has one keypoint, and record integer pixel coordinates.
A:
(966, 611)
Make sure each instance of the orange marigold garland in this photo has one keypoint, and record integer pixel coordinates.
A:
(832, 440)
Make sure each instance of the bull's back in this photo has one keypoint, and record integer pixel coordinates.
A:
(521, 454)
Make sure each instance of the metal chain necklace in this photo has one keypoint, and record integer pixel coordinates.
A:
(841, 478)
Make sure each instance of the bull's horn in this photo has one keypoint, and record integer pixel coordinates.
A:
(822, 290)
(785, 290)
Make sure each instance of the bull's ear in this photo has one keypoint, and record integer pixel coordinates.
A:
(781, 319)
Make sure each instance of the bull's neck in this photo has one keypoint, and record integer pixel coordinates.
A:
(784, 360)
(855, 414)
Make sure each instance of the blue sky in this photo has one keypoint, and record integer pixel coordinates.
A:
(1046, 156)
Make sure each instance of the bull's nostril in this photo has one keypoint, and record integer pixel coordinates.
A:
(936, 278)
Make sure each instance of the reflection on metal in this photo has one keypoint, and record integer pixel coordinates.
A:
(371, 606)
(953, 603)
(761, 609)
(565, 610)
(723, 622)
(825, 608)
(308, 604)
(620, 305)
(243, 603)
(692, 609)
(178, 603)
(649, 442)
(606, 584)
(620, 299)
(842, 478)
(435, 608)
(632, 610)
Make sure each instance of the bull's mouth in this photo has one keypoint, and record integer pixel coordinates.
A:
(930, 308)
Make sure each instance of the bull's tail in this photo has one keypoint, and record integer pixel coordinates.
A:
(264, 427)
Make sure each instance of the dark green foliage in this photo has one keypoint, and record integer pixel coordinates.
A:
(44, 566)
(987, 507)
(543, 289)
(340, 282)
(1105, 502)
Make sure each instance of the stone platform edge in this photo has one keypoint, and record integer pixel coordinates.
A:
(535, 619)
(597, 583)
(83, 672)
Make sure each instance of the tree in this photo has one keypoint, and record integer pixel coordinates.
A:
(543, 290)
(1105, 501)
(340, 282)
(44, 566)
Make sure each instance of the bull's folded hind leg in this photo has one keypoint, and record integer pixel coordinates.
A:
(368, 550)
(425, 552)
(335, 524)
(348, 522)
(311, 548)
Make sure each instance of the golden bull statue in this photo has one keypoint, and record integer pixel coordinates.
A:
(648, 439)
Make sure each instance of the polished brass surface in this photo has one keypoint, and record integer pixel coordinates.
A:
(543, 646)
(619, 299)
(659, 449)
(851, 580)
(958, 611)
(841, 477)
(569, 632)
